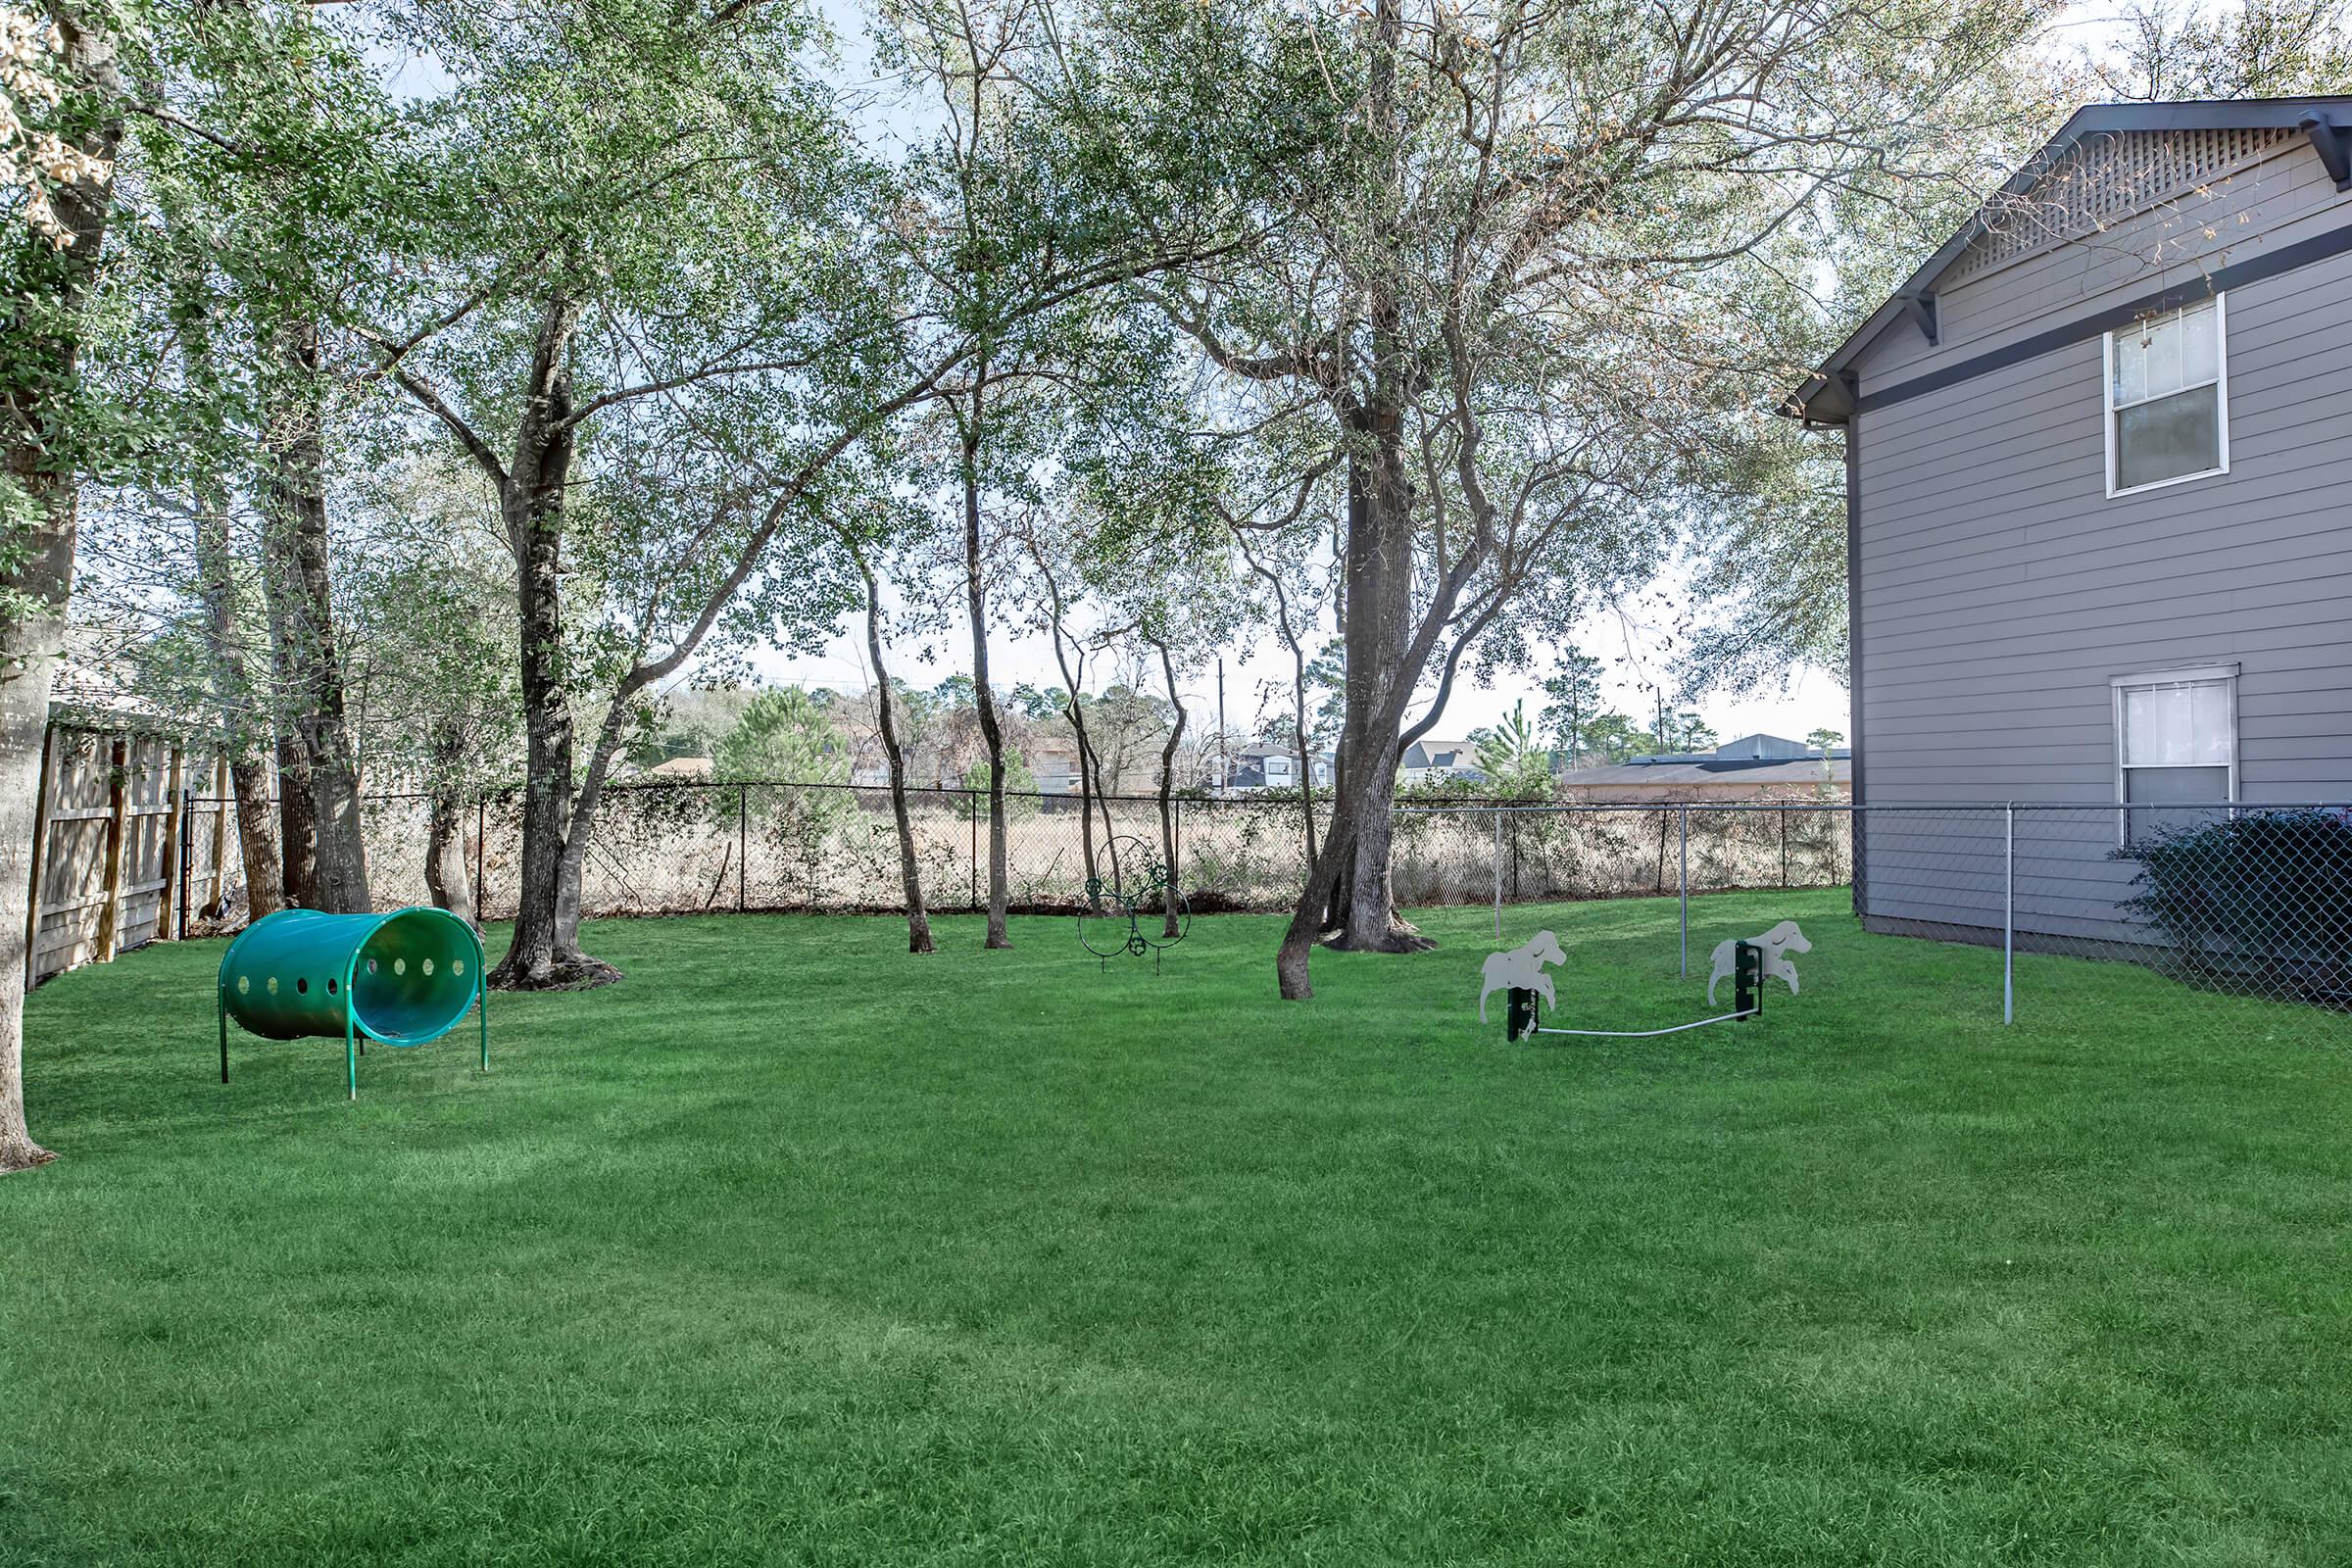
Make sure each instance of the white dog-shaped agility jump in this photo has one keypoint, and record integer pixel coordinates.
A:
(1522, 968)
(1777, 943)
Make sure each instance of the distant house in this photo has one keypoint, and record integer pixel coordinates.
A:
(1273, 767)
(1428, 761)
(1754, 768)
(2097, 537)
(1054, 762)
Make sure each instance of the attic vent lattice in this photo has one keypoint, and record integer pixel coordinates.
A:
(2104, 179)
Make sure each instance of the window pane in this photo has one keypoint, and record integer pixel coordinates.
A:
(2199, 786)
(2201, 344)
(2178, 725)
(2164, 356)
(2131, 368)
(2209, 724)
(2168, 438)
(2157, 727)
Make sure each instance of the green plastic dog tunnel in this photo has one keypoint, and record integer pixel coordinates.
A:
(402, 978)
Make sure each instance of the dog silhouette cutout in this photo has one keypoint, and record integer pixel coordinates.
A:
(1777, 944)
(1522, 968)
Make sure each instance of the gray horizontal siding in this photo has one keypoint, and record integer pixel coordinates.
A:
(2275, 202)
(2000, 589)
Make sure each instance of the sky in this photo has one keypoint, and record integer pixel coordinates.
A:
(1632, 646)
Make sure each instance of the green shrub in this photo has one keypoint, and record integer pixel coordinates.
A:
(2268, 885)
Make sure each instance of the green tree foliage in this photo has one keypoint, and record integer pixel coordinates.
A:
(1572, 700)
(1020, 787)
(781, 737)
(1513, 757)
(1616, 737)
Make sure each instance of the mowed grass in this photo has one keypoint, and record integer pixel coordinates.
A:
(795, 1248)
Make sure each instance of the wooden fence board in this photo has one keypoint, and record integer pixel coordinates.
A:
(106, 854)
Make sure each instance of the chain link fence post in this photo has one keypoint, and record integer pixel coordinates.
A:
(1686, 881)
(2009, 913)
(743, 840)
(1498, 872)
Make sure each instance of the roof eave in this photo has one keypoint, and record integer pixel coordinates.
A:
(1805, 402)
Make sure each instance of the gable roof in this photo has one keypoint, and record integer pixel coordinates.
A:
(1823, 398)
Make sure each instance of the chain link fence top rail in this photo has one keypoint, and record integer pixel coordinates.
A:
(2252, 900)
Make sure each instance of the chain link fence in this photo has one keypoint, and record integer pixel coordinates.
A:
(2246, 901)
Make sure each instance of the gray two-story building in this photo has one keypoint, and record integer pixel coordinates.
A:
(2099, 518)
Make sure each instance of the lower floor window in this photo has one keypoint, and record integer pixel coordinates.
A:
(2176, 747)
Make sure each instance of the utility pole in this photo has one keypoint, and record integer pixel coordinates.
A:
(1224, 740)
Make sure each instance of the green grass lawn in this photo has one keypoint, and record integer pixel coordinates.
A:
(795, 1248)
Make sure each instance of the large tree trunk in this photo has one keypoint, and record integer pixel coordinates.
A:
(1379, 623)
(984, 701)
(257, 840)
(216, 591)
(297, 803)
(297, 823)
(233, 694)
(911, 881)
(314, 694)
(447, 877)
(544, 953)
(37, 579)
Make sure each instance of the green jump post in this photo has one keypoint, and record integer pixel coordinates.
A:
(401, 979)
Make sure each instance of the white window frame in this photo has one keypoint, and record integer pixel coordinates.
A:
(2223, 675)
(2221, 402)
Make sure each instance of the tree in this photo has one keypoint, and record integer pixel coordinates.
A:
(910, 882)
(63, 97)
(1507, 288)
(1021, 785)
(1572, 702)
(781, 735)
(683, 389)
(1686, 731)
(1512, 756)
(1618, 738)
(428, 651)
(1825, 739)
(2248, 49)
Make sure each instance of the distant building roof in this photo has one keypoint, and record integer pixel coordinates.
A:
(682, 767)
(1653, 773)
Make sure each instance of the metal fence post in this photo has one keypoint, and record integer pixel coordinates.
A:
(2009, 913)
(481, 836)
(1783, 814)
(187, 855)
(1686, 847)
(971, 808)
(1498, 872)
(743, 839)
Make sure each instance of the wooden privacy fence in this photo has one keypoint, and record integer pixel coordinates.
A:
(107, 858)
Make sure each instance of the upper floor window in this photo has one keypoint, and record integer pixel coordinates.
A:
(2168, 399)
